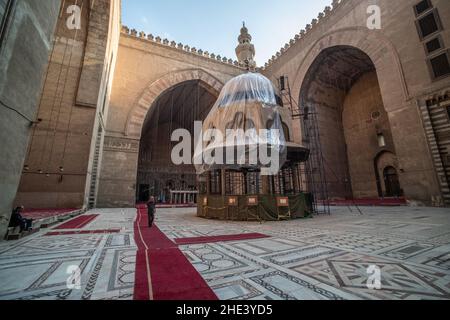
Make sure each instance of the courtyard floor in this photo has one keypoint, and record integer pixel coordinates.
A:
(326, 257)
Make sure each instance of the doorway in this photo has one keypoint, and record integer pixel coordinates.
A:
(392, 182)
(177, 108)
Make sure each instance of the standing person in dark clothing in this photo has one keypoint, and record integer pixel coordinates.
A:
(151, 206)
(18, 221)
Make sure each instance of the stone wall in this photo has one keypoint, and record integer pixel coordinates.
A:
(105, 88)
(85, 150)
(400, 61)
(328, 102)
(24, 52)
(59, 161)
(146, 67)
(361, 129)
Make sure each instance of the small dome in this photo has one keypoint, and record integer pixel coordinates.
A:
(244, 30)
(248, 87)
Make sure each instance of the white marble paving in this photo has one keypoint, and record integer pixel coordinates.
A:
(322, 258)
(326, 257)
(36, 268)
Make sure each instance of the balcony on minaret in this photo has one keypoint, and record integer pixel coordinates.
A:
(245, 51)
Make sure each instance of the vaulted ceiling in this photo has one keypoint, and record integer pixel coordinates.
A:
(182, 105)
(339, 67)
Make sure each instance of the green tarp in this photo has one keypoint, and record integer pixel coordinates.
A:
(300, 206)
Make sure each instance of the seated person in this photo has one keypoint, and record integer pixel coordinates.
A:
(18, 221)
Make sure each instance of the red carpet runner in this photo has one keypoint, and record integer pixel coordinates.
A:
(78, 222)
(233, 237)
(162, 270)
(37, 214)
(370, 202)
(68, 233)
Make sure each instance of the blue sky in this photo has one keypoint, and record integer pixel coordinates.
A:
(213, 25)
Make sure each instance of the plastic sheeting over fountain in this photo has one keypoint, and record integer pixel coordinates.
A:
(247, 121)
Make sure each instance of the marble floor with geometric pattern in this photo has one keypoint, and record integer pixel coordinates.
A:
(326, 257)
(37, 267)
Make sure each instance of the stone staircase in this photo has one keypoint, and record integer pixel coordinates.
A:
(95, 170)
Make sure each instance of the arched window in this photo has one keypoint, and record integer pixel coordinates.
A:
(237, 122)
(249, 124)
(286, 132)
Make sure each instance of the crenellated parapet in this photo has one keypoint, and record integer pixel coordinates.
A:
(303, 34)
(298, 38)
(180, 46)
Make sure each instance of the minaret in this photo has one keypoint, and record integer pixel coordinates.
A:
(245, 51)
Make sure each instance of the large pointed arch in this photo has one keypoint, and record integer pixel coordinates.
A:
(380, 50)
(335, 64)
(138, 113)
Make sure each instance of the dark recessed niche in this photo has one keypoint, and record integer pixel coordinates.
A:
(429, 24)
(422, 6)
(375, 115)
(433, 45)
(440, 65)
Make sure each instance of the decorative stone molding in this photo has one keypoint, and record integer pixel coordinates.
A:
(384, 57)
(142, 106)
(297, 38)
(431, 132)
(438, 97)
(121, 145)
(185, 48)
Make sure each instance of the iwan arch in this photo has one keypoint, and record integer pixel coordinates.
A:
(153, 71)
(383, 107)
(382, 100)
